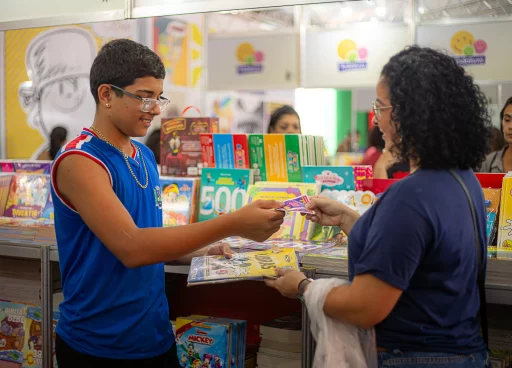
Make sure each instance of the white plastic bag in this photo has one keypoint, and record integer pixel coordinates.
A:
(339, 344)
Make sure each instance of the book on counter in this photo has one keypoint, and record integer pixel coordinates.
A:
(301, 247)
(242, 266)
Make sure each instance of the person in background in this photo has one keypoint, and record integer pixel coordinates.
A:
(376, 145)
(497, 140)
(414, 260)
(284, 120)
(108, 223)
(347, 145)
(500, 161)
(58, 138)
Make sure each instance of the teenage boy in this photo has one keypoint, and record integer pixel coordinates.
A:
(108, 222)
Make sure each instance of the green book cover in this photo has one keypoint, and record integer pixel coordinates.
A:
(222, 191)
(293, 157)
(257, 157)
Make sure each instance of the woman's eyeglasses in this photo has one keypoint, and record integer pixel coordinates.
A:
(148, 104)
(377, 110)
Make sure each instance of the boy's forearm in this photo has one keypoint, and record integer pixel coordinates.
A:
(156, 245)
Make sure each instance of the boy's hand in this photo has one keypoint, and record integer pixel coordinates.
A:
(259, 220)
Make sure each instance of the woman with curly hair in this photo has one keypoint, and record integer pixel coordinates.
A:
(413, 257)
(500, 161)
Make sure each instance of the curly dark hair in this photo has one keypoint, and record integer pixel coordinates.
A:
(120, 62)
(441, 114)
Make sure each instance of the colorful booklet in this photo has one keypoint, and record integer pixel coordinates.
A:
(295, 226)
(222, 191)
(242, 266)
(179, 197)
(203, 343)
(28, 196)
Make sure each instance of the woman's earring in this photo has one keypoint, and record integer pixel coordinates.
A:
(107, 105)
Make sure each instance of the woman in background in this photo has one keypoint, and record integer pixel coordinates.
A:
(58, 138)
(500, 161)
(284, 120)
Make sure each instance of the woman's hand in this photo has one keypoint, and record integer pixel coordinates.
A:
(329, 212)
(220, 249)
(385, 161)
(287, 282)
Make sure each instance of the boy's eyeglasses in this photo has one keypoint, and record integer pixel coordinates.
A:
(148, 104)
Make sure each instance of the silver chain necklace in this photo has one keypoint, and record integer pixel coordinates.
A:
(100, 134)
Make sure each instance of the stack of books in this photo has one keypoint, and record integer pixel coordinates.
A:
(281, 343)
(332, 261)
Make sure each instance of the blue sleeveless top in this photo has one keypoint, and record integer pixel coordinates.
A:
(111, 311)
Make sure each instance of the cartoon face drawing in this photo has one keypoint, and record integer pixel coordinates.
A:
(58, 93)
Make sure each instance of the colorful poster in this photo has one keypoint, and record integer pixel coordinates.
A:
(47, 81)
(179, 43)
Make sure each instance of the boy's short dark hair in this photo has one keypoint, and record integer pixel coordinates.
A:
(120, 62)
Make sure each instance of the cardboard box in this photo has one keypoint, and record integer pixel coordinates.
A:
(180, 150)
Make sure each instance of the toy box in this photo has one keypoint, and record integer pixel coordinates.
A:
(180, 150)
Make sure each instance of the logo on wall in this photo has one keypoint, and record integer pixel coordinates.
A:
(250, 59)
(354, 58)
(467, 50)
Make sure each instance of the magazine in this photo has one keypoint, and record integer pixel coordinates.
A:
(242, 266)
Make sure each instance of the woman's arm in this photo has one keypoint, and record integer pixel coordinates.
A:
(364, 303)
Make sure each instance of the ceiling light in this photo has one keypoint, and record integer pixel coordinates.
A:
(487, 4)
(373, 20)
(445, 13)
(422, 10)
(380, 11)
(510, 2)
(347, 12)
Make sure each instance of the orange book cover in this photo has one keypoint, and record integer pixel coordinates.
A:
(275, 157)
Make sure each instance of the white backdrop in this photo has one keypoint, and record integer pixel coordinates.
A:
(329, 51)
(273, 62)
(491, 38)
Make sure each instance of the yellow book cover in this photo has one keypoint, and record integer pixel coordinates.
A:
(505, 222)
(295, 226)
(242, 266)
(275, 157)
